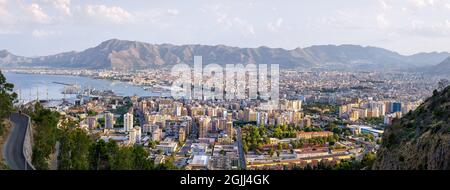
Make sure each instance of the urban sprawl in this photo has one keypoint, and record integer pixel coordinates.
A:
(322, 117)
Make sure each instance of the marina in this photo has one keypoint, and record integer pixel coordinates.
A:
(31, 87)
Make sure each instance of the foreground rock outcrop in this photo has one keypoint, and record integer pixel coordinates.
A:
(421, 139)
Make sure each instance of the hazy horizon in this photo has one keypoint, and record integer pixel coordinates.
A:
(45, 27)
(80, 50)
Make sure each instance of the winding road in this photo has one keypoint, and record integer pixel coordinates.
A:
(13, 148)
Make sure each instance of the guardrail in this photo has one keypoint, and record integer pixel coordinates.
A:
(28, 144)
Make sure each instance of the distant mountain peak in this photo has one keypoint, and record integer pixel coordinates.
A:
(446, 61)
(124, 54)
(441, 68)
(4, 53)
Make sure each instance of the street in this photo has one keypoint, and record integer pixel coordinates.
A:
(242, 161)
(13, 148)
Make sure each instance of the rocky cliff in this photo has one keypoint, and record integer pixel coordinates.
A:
(421, 139)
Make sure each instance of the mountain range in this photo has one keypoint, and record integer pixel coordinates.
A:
(441, 68)
(133, 55)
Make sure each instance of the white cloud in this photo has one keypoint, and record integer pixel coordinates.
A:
(382, 21)
(114, 13)
(247, 29)
(118, 14)
(426, 3)
(4, 14)
(232, 22)
(384, 5)
(8, 32)
(275, 26)
(154, 15)
(38, 14)
(173, 12)
(223, 19)
(42, 33)
(429, 30)
(419, 3)
(63, 6)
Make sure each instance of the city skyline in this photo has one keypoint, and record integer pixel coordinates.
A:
(225, 85)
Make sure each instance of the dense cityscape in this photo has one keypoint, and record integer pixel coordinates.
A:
(323, 120)
(224, 94)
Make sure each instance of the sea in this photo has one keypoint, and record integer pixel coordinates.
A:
(50, 87)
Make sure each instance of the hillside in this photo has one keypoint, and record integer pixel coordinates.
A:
(131, 55)
(7, 58)
(421, 139)
(441, 68)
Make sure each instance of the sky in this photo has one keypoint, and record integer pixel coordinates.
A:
(44, 27)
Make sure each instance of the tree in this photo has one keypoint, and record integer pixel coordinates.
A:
(152, 144)
(368, 160)
(92, 113)
(122, 159)
(99, 154)
(7, 98)
(46, 135)
(271, 152)
(74, 148)
(141, 161)
(379, 141)
(109, 156)
(167, 165)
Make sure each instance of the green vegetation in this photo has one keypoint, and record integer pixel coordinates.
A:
(416, 141)
(78, 150)
(121, 110)
(152, 144)
(7, 97)
(338, 130)
(243, 123)
(45, 136)
(320, 107)
(3, 166)
(311, 129)
(74, 148)
(368, 160)
(365, 164)
(374, 120)
(109, 156)
(101, 121)
(91, 113)
(368, 137)
(331, 140)
(167, 165)
(254, 138)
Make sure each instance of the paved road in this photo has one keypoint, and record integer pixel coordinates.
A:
(243, 163)
(13, 148)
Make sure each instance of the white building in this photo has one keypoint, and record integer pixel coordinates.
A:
(132, 137)
(156, 134)
(138, 133)
(109, 120)
(128, 122)
(167, 146)
(199, 162)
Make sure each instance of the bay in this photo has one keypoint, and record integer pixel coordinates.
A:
(32, 86)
